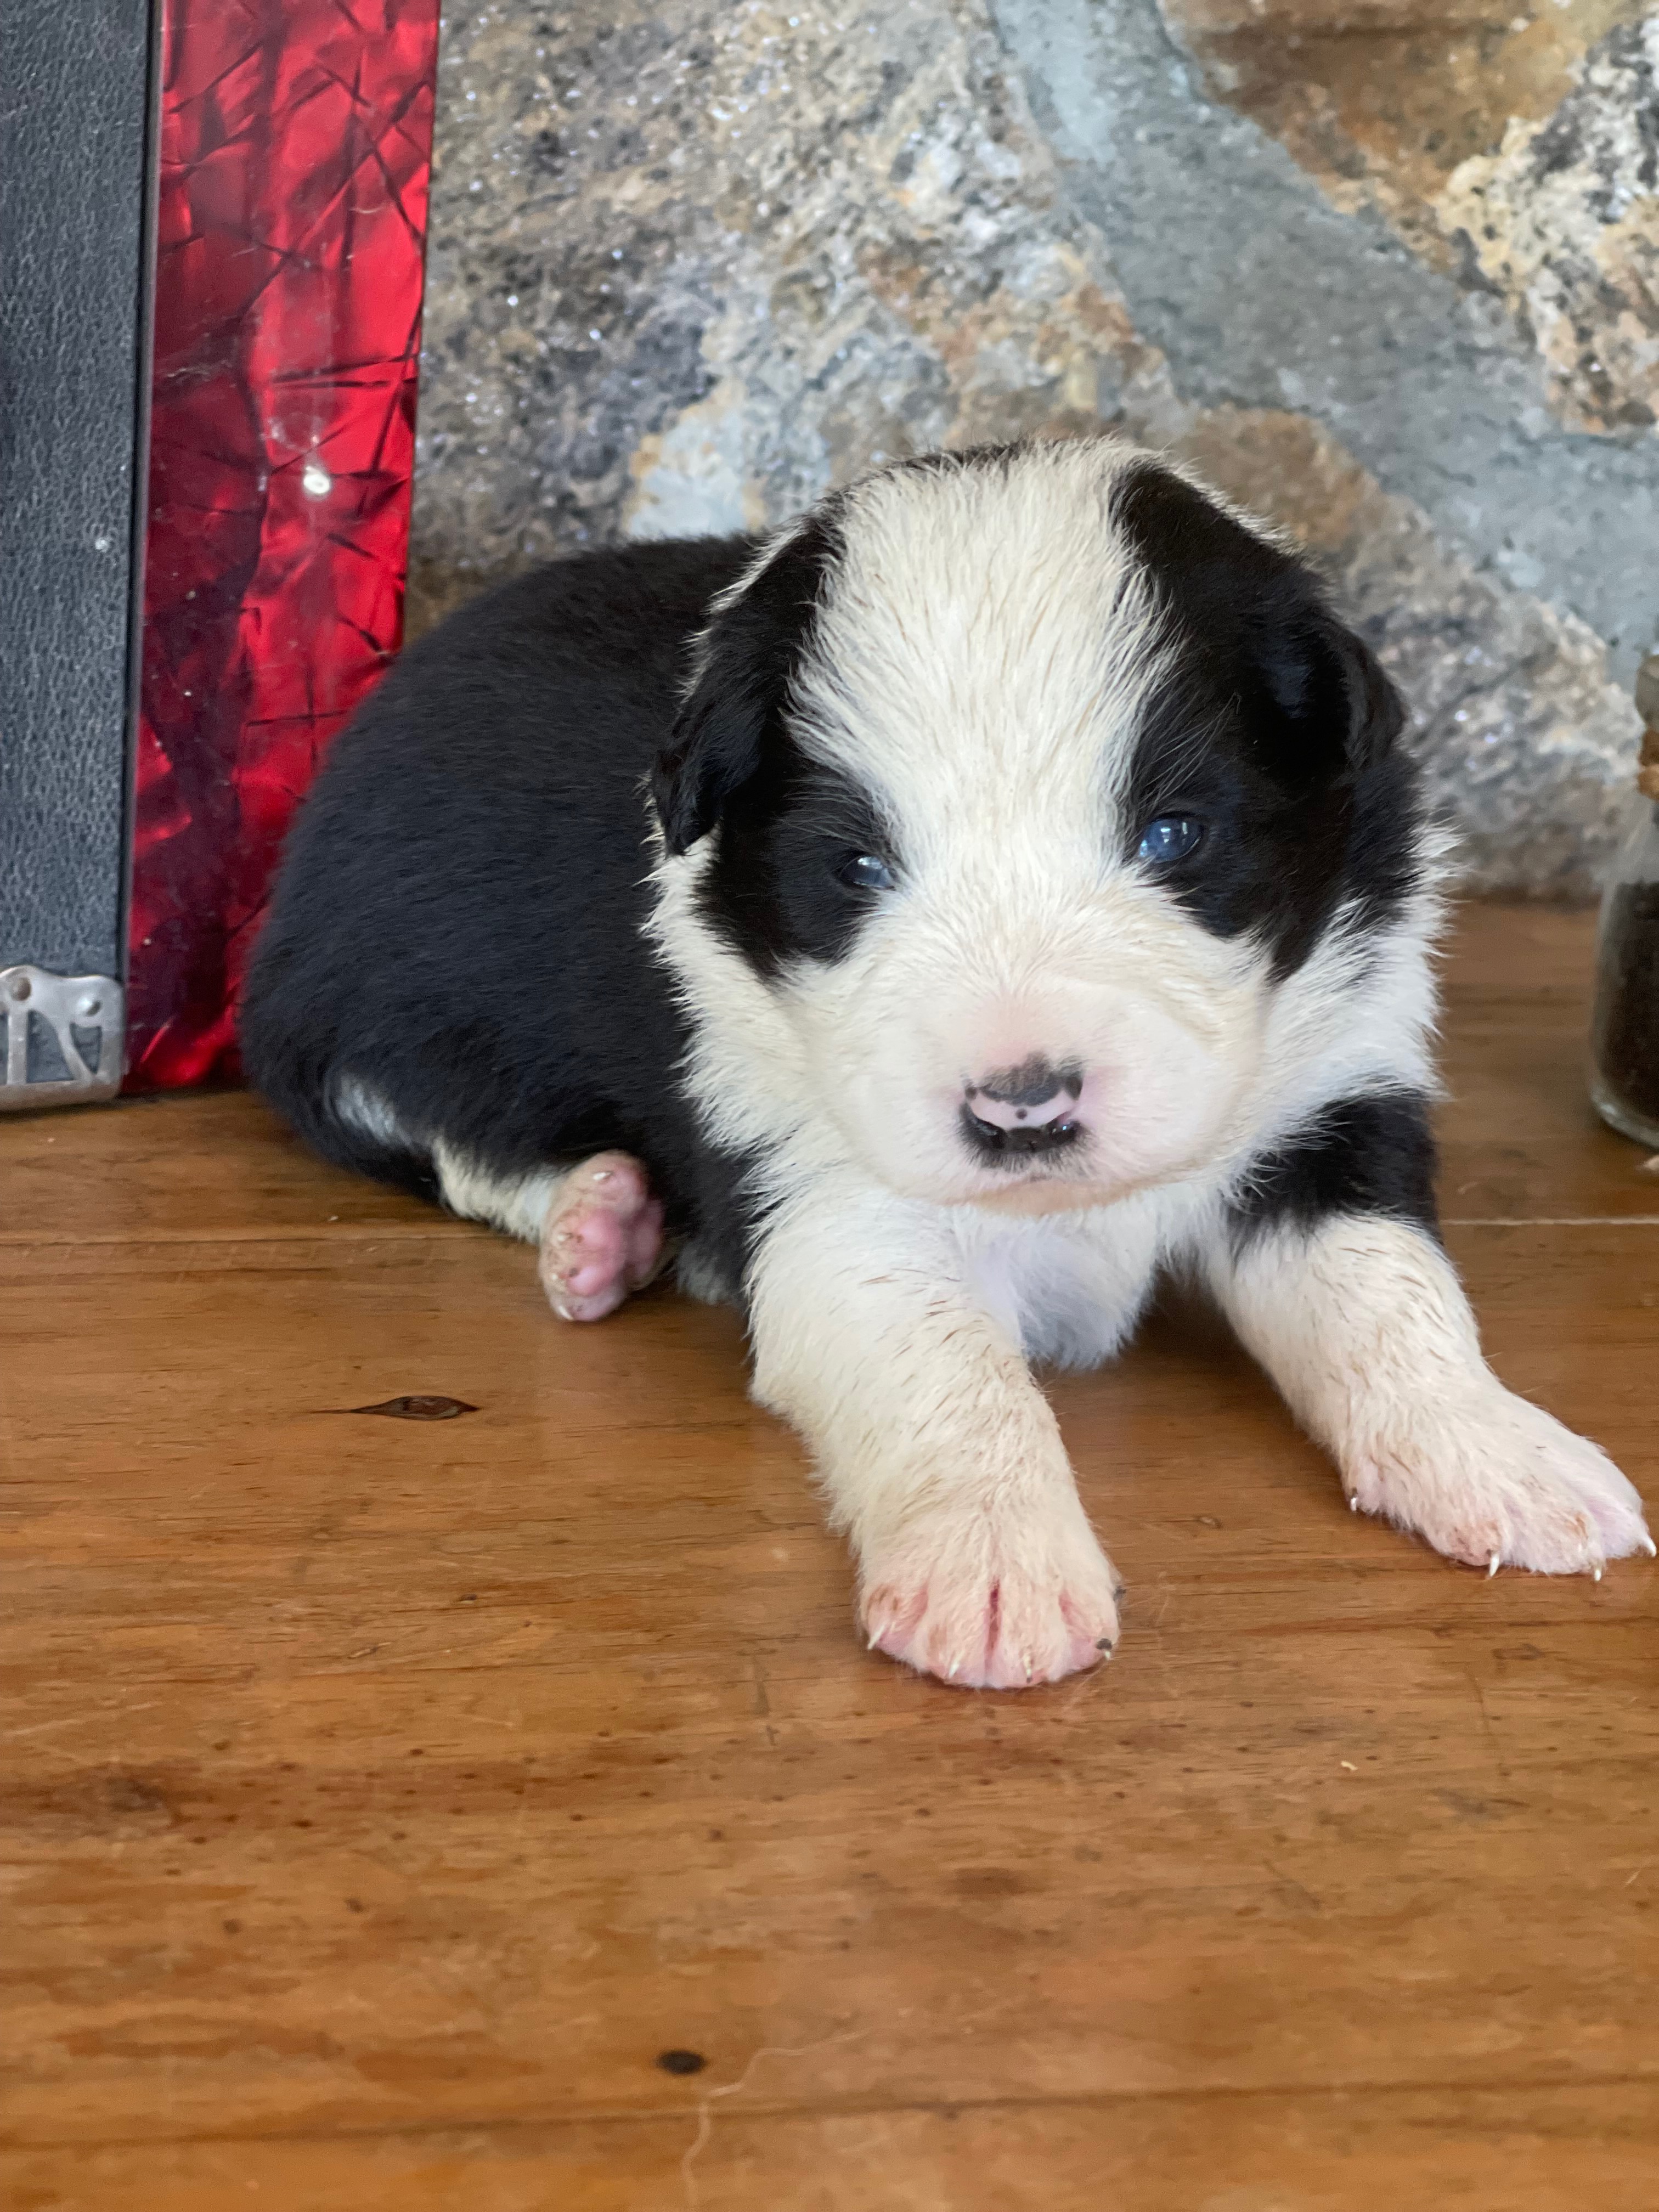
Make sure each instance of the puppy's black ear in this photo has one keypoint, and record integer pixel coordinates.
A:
(1260, 620)
(752, 653)
(1377, 713)
(1327, 681)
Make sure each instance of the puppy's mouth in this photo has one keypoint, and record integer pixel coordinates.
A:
(1024, 1147)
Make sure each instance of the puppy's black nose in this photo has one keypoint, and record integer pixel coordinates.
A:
(1018, 1111)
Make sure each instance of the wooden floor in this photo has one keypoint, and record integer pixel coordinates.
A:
(385, 1802)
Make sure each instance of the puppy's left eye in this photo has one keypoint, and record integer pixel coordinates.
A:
(1169, 838)
(864, 872)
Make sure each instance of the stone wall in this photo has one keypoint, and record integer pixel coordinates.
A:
(1391, 278)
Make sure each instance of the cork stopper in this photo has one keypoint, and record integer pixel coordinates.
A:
(1647, 705)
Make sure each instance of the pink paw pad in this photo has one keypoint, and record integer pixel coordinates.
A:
(602, 1237)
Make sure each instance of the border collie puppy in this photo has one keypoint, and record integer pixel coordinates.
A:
(925, 926)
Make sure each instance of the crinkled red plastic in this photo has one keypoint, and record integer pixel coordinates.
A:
(295, 150)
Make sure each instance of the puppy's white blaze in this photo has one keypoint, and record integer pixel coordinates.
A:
(998, 700)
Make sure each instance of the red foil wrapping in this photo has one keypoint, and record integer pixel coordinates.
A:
(295, 151)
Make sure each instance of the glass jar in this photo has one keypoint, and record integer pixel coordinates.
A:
(1625, 1034)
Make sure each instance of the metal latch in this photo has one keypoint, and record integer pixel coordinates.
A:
(64, 1037)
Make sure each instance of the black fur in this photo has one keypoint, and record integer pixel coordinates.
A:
(1368, 1155)
(783, 822)
(457, 920)
(1277, 730)
(736, 709)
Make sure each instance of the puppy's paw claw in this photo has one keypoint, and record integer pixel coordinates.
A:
(1499, 1482)
(990, 1610)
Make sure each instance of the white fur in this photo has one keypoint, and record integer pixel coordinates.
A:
(1364, 1328)
(360, 1107)
(940, 1458)
(517, 1204)
(899, 1285)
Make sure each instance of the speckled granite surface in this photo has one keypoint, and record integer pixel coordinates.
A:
(691, 263)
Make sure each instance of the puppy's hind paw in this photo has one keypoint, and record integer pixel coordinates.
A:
(601, 1238)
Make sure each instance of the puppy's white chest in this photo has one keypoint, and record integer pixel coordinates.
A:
(1069, 1287)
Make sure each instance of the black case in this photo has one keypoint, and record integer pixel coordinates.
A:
(76, 225)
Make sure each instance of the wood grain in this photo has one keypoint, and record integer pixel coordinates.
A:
(381, 1798)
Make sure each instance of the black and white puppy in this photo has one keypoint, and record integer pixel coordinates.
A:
(1000, 886)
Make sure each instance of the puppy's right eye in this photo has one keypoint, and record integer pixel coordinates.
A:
(1172, 837)
(864, 872)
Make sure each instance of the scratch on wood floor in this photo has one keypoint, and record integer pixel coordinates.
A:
(79, 1720)
(845, 2034)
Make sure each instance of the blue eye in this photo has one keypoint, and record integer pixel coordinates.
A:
(1170, 837)
(863, 872)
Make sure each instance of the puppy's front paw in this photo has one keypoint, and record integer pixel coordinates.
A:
(1498, 1482)
(989, 1603)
